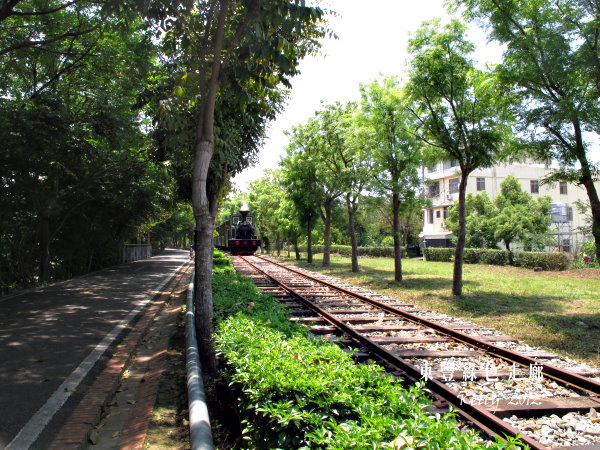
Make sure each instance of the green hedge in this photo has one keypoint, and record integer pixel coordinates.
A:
(346, 250)
(438, 254)
(486, 256)
(219, 259)
(296, 391)
(545, 260)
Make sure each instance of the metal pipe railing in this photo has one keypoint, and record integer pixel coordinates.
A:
(200, 431)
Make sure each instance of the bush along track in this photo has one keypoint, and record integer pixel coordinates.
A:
(297, 391)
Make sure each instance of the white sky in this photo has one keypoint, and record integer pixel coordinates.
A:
(372, 40)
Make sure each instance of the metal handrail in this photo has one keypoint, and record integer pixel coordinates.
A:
(200, 431)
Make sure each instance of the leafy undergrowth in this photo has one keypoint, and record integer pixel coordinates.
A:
(295, 391)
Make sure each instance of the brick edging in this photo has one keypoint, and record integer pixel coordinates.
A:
(134, 433)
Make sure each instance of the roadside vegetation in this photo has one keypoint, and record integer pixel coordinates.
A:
(558, 311)
(296, 391)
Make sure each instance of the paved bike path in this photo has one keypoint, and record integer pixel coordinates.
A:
(46, 334)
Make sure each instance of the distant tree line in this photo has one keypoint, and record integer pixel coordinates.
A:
(537, 103)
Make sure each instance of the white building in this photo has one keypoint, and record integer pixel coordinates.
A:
(441, 187)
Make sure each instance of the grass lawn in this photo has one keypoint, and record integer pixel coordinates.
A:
(558, 311)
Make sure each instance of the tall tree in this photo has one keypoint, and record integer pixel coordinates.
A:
(254, 43)
(357, 174)
(395, 151)
(320, 141)
(299, 180)
(330, 154)
(552, 59)
(346, 162)
(458, 109)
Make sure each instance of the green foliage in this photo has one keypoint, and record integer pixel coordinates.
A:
(479, 230)
(550, 64)
(545, 260)
(438, 254)
(299, 392)
(77, 179)
(346, 250)
(221, 263)
(513, 216)
(589, 249)
(487, 256)
(173, 224)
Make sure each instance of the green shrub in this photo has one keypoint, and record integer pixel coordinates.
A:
(470, 255)
(545, 260)
(486, 256)
(306, 393)
(221, 261)
(589, 249)
(438, 254)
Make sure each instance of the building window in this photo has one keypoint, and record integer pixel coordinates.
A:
(570, 214)
(433, 189)
(438, 213)
(453, 185)
(446, 212)
(450, 164)
(480, 184)
(535, 186)
(430, 216)
(562, 185)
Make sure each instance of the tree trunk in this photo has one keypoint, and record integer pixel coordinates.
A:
(352, 231)
(587, 179)
(309, 251)
(457, 280)
(205, 138)
(296, 249)
(396, 234)
(327, 232)
(44, 247)
(203, 301)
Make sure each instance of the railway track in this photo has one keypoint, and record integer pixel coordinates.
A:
(493, 381)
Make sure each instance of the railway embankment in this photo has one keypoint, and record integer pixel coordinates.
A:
(556, 402)
(295, 389)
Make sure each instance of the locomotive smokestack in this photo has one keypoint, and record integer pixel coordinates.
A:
(244, 211)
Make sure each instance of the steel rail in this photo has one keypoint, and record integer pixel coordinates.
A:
(481, 417)
(569, 378)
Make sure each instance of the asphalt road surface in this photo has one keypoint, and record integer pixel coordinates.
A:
(54, 339)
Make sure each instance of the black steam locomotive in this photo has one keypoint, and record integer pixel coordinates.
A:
(238, 234)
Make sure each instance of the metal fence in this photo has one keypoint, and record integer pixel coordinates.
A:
(133, 252)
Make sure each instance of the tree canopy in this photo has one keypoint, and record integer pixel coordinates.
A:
(459, 112)
(552, 65)
(514, 216)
